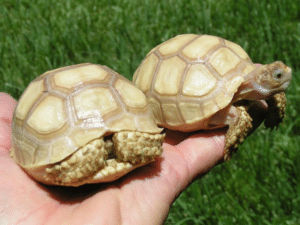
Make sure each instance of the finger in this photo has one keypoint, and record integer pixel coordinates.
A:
(7, 106)
(203, 150)
(194, 156)
(5, 135)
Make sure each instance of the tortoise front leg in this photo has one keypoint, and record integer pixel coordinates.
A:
(240, 126)
(237, 131)
(244, 125)
(276, 110)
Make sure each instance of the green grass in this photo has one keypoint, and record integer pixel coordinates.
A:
(261, 184)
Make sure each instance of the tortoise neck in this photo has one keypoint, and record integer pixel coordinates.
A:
(250, 89)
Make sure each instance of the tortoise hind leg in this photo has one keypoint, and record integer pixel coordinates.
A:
(137, 147)
(129, 150)
(76, 169)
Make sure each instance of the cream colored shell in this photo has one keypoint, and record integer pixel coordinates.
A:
(64, 109)
(190, 77)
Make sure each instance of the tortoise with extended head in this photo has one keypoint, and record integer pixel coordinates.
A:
(83, 124)
(196, 82)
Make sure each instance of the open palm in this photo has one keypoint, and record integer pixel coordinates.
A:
(142, 197)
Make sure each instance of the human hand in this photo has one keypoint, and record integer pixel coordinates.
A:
(142, 197)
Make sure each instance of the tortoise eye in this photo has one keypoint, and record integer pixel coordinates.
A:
(278, 75)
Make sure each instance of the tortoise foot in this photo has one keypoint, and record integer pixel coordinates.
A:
(237, 132)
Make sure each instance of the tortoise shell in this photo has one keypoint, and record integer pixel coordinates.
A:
(190, 77)
(64, 109)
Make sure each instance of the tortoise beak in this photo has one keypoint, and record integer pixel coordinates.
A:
(288, 78)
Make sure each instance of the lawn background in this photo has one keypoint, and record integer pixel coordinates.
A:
(260, 185)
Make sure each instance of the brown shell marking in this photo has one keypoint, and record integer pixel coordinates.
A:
(190, 77)
(64, 109)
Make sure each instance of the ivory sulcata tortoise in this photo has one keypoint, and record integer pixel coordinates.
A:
(83, 124)
(196, 82)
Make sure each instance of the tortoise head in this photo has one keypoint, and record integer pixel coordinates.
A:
(265, 81)
(274, 77)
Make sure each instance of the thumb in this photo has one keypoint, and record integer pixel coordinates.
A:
(7, 106)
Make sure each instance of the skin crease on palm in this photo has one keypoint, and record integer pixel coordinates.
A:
(142, 197)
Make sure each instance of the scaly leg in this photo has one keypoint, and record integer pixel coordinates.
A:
(137, 147)
(128, 150)
(240, 126)
(237, 132)
(78, 168)
(276, 110)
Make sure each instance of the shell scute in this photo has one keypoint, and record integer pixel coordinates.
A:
(148, 69)
(190, 112)
(132, 96)
(224, 60)
(69, 79)
(198, 81)
(175, 44)
(171, 114)
(94, 102)
(48, 116)
(168, 77)
(200, 47)
(32, 94)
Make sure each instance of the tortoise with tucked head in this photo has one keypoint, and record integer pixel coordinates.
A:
(196, 82)
(83, 124)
